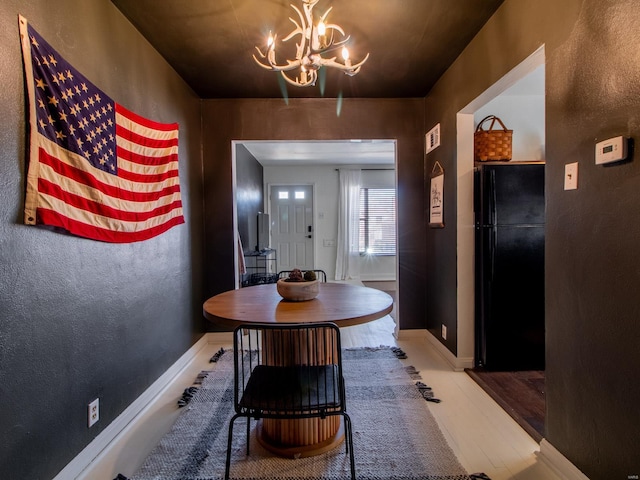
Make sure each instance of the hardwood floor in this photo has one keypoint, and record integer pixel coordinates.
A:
(482, 435)
(520, 394)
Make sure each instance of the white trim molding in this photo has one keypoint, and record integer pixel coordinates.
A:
(457, 364)
(559, 463)
(109, 436)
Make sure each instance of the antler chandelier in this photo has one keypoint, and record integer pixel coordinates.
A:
(316, 41)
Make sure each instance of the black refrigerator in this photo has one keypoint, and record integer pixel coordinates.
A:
(509, 210)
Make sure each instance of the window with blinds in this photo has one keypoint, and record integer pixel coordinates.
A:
(378, 221)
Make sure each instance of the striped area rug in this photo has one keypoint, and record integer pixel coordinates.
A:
(395, 435)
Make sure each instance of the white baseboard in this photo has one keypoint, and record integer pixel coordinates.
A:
(559, 463)
(458, 364)
(127, 418)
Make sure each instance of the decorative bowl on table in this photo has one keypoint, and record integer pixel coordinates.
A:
(298, 291)
(298, 287)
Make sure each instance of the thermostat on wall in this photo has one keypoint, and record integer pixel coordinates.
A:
(612, 150)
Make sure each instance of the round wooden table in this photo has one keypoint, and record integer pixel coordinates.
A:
(339, 303)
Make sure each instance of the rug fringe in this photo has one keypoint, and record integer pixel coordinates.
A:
(399, 353)
(187, 395)
(479, 476)
(217, 355)
(189, 392)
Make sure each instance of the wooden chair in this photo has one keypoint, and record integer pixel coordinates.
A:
(320, 274)
(285, 372)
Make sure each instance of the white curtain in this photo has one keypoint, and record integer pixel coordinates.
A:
(348, 258)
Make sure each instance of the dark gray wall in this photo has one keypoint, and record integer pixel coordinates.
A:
(317, 119)
(249, 196)
(82, 319)
(592, 255)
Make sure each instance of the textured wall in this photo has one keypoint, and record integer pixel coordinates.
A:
(593, 263)
(592, 258)
(249, 197)
(82, 319)
(317, 119)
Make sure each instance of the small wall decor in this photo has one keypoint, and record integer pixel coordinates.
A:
(432, 138)
(436, 197)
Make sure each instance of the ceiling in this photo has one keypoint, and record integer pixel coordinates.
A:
(338, 152)
(210, 43)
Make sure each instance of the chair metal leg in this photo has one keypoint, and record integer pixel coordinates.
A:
(227, 465)
(349, 442)
(248, 433)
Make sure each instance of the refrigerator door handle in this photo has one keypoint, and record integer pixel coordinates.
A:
(493, 202)
(493, 245)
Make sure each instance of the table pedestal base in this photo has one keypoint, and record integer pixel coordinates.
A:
(328, 441)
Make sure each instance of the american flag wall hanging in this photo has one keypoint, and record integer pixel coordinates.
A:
(96, 169)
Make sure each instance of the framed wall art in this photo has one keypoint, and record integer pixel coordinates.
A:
(436, 197)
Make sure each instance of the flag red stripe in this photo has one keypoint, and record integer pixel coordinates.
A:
(78, 201)
(49, 217)
(144, 160)
(140, 178)
(145, 141)
(86, 178)
(166, 127)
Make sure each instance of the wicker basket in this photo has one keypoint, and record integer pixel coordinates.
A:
(492, 145)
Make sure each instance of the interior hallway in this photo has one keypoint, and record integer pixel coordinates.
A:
(483, 436)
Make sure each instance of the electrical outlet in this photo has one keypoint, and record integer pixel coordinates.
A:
(444, 331)
(93, 412)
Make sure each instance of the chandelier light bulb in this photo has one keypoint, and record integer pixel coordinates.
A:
(322, 28)
(270, 40)
(345, 56)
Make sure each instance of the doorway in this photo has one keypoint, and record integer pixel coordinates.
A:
(292, 226)
(310, 162)
(526, 84)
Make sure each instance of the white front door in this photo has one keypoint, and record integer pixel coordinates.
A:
(292, 226)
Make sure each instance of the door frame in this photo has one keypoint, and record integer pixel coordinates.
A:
(465, 219)
(234, 192)
(268, 188)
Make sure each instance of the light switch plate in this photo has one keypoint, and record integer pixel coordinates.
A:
(571, 176)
